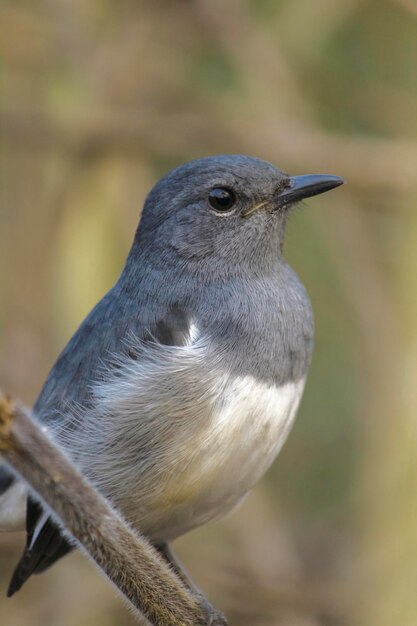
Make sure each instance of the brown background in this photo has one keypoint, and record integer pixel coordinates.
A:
(100, 98)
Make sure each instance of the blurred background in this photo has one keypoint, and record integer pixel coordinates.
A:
(98, 100)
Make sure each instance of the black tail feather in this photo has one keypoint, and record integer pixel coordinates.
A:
(6, 479)
(38, 555)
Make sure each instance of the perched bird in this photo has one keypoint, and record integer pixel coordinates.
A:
(180, 387)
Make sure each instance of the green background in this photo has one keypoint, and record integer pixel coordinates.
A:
(97, 101)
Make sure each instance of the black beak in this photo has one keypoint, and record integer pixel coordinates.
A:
(305, 186)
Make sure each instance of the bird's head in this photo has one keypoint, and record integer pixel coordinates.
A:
(225, 213)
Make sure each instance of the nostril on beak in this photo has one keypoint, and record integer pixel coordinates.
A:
(302, 187)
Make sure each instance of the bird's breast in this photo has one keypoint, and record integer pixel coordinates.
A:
(176, 437)
(246, 427)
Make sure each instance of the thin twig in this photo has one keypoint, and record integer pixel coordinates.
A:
(126, 557)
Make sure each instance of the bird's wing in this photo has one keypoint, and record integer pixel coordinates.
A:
(100, 334)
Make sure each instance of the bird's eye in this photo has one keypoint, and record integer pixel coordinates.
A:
(221, 199)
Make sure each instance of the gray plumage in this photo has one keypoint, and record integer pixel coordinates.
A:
(179, 388)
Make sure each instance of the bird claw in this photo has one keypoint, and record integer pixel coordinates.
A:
(212, 615)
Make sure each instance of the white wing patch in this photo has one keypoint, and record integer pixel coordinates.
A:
(193, 334)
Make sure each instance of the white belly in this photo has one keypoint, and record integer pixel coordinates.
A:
(250, 424)
(248, 427)
(174, 441)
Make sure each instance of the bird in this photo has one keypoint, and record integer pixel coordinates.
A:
(180, 387)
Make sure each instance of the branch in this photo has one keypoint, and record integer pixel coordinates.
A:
(124, 556)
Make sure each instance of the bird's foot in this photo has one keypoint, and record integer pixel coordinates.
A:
(212, 615)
